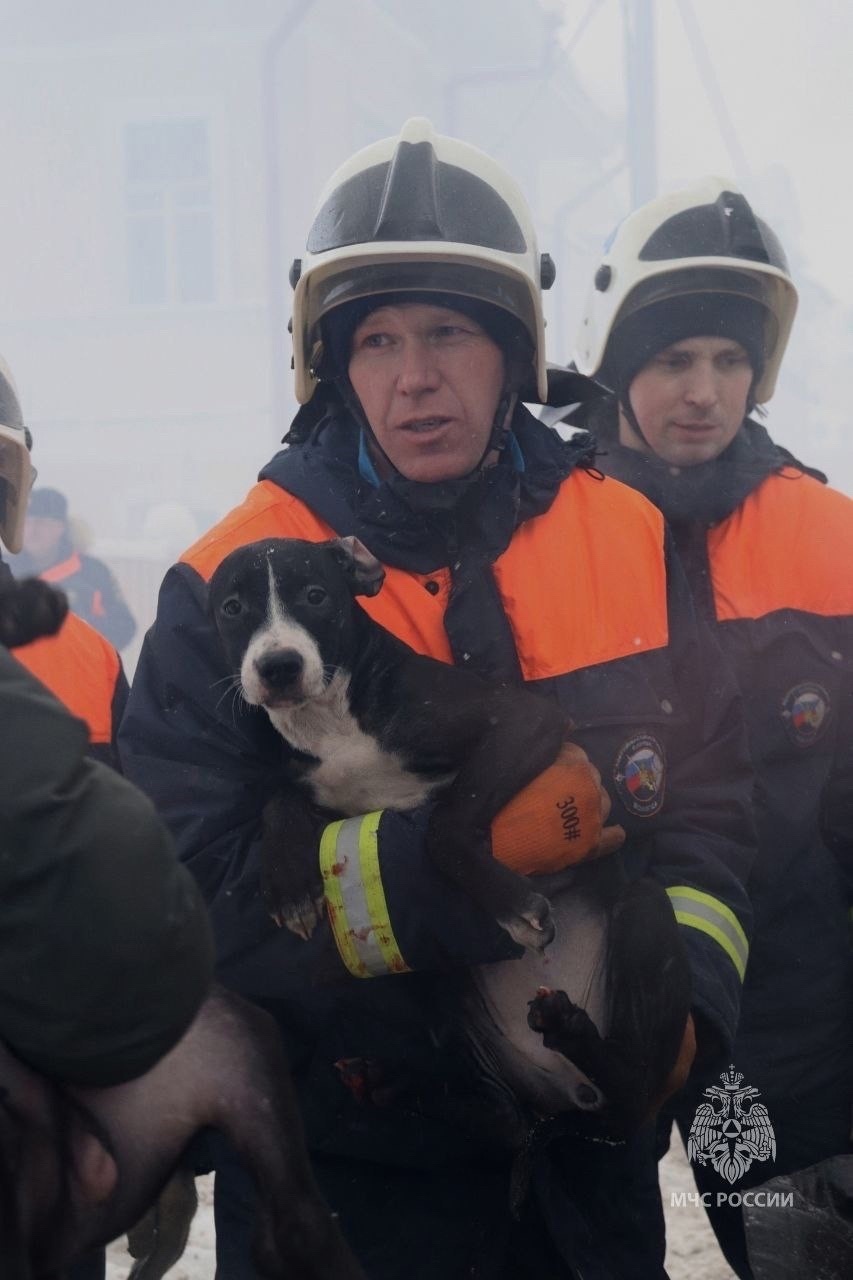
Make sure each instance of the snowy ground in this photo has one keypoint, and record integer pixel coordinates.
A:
(692, 1252)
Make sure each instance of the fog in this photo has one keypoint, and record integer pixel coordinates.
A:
(162, 161)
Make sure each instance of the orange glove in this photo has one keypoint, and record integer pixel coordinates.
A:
(558, 818)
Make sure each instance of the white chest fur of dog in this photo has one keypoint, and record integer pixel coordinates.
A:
(355, 775)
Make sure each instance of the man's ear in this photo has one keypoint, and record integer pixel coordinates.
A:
(364, 573)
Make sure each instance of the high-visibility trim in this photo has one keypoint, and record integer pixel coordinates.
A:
(794, 527)
(701, 911)
(355, 898)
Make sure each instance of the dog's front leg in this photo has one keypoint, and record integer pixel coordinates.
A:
(291, 882)
(521, 738)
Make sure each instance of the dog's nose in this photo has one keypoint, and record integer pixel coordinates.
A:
(280, 669)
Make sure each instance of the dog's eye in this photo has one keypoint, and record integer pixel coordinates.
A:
(315, 595)
(232, 606)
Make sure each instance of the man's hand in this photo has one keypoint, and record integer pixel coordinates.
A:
(558, 819)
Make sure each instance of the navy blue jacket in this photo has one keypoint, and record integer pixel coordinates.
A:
(661, 720)
(766, 546)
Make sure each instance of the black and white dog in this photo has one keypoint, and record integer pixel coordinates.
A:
(592, 1021)
(375, 725)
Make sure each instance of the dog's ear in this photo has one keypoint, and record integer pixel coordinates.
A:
(364, 572)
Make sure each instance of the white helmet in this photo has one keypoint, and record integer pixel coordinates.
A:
(419, 213)
(702, 240)
(16, 471)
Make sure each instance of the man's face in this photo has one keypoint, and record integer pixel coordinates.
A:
(429, 380)
(42, 535)
(690, 400)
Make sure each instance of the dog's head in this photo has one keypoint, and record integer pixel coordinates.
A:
(286, 613)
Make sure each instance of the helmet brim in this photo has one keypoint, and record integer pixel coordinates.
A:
(463, 278)
(16, 480)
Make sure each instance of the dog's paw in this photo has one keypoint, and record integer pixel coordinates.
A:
(301, 916)
(552, 1011)
(530, 923)
(557, 1018)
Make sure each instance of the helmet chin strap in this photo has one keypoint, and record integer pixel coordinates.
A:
(439, 494)
(623, 401)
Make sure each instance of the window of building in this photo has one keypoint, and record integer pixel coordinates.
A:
(169, 203)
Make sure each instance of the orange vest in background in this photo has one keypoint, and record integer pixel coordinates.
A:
(81, 669)
(785, 547)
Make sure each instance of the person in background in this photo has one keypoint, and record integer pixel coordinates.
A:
(49, 552)
(418, 331)
(73, 661)
(106, 953)
(686, 324)
(77, 664)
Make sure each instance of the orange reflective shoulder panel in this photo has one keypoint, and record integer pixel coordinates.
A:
(80, 668)
(585, 582)
(789, 546)
(411, 606)
(266, 512)
(406, 605)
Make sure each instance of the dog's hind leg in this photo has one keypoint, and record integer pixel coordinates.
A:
(648, 999)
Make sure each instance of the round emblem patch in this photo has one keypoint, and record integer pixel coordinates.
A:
(805, 713)
(639, 775)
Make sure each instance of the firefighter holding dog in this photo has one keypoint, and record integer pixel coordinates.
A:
(687, 323)
(418, 331)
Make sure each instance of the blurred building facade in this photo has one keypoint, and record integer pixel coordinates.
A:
(146, 149)
(161, 165)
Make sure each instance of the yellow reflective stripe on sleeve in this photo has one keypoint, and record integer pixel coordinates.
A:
(355, 898)
(701, 911)
(335, 900)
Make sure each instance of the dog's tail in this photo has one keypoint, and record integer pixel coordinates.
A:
(649, 988)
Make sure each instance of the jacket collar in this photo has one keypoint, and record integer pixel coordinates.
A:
(324, 472)
(707, 493)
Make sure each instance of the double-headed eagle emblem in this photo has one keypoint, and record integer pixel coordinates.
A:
(731, 1129)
